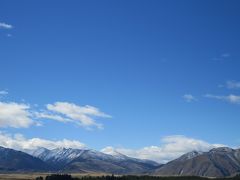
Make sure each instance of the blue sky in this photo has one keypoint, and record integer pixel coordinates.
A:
(158, 68)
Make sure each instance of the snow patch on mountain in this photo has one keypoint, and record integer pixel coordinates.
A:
(111, 151)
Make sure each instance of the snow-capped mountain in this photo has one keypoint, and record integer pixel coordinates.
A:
(116, 154)
(68, 154)
(57, 155)
(113, 152)
(88, 160)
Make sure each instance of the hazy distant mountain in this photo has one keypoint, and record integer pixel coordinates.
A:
(12, 160)
(86, 160)
(218, 162)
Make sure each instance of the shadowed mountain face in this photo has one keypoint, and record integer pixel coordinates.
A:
(219, 162)
(12, 160)
(85, 160)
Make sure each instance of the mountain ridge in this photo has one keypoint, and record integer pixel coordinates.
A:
(218, 162)
(75, 160)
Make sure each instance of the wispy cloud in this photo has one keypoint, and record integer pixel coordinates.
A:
(225, 55)
(9, 35)
(222, 57)
(235, 99)
(172, 147)
(189, 98)
(5, 26)
(233, 84)
(47, 115)
(19, 142)
(3, 92)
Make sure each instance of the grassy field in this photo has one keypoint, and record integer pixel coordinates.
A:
(32, 176)
(21, 176)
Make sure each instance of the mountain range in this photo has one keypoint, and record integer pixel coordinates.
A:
(86, 160)
(218, 162)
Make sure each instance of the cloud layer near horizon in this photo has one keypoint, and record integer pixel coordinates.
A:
(171, 148)
(19, 142)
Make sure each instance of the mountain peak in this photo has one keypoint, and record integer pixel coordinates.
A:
(221, 149)
(190, 155)
(36, 152)
(113, 152)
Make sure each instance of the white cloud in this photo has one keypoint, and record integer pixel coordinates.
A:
(15, 115)
(81, 115)
(3, 92)
(172, 147)
(20, 115)
(19, 142)
(233, 85)
(235, 99)
(189, 98)
(5, 26)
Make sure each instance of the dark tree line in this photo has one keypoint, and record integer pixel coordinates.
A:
(69, 177)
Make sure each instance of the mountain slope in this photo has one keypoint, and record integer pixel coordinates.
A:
(119, 155)
(12, 160)
(219, 162)
(86, 160)
(89, 161)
